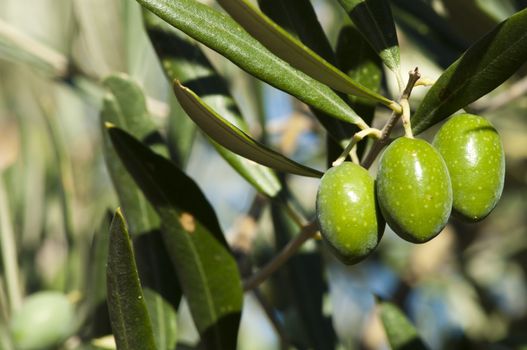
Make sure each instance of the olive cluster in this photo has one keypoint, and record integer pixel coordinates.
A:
(418, 187)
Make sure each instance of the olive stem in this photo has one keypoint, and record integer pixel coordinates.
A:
(308, 231)
(390, 124)
(425, 82)
(406, 119)
(356, 138)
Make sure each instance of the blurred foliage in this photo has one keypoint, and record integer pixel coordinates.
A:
(466, 289)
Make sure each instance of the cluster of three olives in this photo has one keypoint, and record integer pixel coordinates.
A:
(418, 186)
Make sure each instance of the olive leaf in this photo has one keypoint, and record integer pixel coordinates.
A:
(129, 317)
(482, 68)
(205, 266)
(234, 139)
(222, 34)
(163, 318)
(183, 60)
(374, 20)
(400, 332)
(124, 105)
(291, 50)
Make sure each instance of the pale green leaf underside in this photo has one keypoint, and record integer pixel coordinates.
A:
(291, 50)
(399, 330)
(222, 34)
(234, 139)
(164, 320)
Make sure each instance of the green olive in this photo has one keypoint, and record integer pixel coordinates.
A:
(347, 213)
(44, 320)
(414, 190)
(472, 150)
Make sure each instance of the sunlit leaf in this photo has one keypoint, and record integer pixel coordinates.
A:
(483, 67)
(229, 136)
(183, 60)
(399, 330)
(124, 105)
(222, 34)
(163, 317)
(128, 313)
(291, 50)
(206, 268)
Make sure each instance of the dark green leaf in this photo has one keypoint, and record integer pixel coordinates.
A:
(374, 20)
(399, 330)
(184, 61)
(206, 269)
(128, 314)
(124, 105)
(234, 139)
(485, 65)
(291, 50)
(304, 272)
(163, 318)
(222, 34)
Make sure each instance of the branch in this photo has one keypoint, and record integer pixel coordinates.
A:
(308, 231)
(390, 124)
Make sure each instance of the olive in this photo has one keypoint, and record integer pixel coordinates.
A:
(44, 320)
(414, 190)
(347, 212)
(473, 153)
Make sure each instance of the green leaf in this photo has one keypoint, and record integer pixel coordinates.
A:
(163, 318)
(124, 105)
(483, 67)
(128, 314)
(206, 269)
(399, 330)
(222, 34)
(181, 132)
(222, 131)
(374, 20)
(183, 60)
(304, 272)
(291, 50)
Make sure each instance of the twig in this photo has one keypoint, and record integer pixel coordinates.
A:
(307, 232)
(390, 124)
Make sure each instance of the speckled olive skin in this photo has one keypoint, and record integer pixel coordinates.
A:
(473, 153)
(347, 213)
(414, 190)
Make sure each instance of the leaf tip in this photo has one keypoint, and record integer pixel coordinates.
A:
(109, 125)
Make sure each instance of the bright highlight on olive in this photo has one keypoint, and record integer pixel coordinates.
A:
(472, 150)
(414, 190)
(346, 209)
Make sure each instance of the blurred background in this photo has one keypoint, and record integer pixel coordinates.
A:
(466, 289)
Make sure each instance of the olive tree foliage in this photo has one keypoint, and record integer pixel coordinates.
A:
(235, 174)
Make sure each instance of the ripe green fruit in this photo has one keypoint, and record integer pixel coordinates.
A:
(473, 153)
(414, 190)
(347, 214)
(44, 320)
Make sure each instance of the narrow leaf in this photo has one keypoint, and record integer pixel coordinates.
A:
(206, 268)
(124, 105)
(298, 17)
(234, 139)
(163, 318)
(291, 50)
(374, 20)
(482, 68)
(222, 34)
(399, 330)
(183, 60)
(128, 314)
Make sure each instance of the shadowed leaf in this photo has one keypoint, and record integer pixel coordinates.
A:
(482, 68)
(206, 268)
(128, 314)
